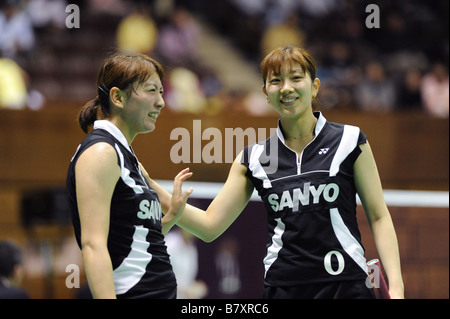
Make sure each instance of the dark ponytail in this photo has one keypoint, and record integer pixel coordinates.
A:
(88, 114)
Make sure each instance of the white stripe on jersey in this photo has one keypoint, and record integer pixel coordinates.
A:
(133, 267)
(255, 165)
(78, 148)
(125, 174)
(348, 143)
(277, 244)
(348, 242)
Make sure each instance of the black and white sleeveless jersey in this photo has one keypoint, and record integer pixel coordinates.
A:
(135, 243)
(310, 201)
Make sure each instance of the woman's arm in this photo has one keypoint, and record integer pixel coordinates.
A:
(96, 174)
(368, 186)
(224, 209)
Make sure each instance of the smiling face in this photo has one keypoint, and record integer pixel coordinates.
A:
(291, 90)
(130, 92)
(137, 107)
(143, 105)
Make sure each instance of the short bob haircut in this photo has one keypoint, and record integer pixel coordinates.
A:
(275, 59)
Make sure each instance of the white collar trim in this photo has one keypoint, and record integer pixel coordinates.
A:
(113, 130)
(321, 120)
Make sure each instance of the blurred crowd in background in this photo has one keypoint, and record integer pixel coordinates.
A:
(400, 66)
(211, 51)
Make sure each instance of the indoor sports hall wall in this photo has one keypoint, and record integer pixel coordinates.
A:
(37, 146)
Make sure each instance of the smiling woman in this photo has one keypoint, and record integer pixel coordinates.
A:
(138, 106)
(116, 215)
(290, 84)
(295, 63)
(122, 72)
(307, 174)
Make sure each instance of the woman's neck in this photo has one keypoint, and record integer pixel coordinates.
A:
(299, 128)
(121, 125)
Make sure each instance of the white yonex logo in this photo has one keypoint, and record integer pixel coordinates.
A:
(323, 151)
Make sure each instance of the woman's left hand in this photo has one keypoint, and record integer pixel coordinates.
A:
(177, 202)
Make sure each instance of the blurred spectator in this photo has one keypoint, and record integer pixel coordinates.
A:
(210, 83)
(282, 34)
(227, 266)
(277, 11)
(46, 14)
(255, 104)
(251, 7)
(13, 90)
(397, 36)
(376, 92)
(16, 30)
(435, 90)
(339, 75)
(137, 32)
(163, 8)
(184, 92)
(11, 271)
(108, 7)
(245, 24)
(177, 42)
(184, 259)
(213, 90)
(319, 8)
(409, 94)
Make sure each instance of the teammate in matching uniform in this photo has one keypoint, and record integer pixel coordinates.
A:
(314, 245)
(117, 216)
(308, 175)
